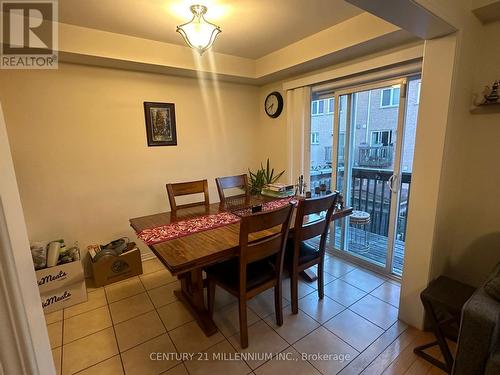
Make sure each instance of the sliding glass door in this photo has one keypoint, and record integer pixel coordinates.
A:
(373, 133)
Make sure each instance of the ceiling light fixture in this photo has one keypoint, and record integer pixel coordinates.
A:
(199, 33)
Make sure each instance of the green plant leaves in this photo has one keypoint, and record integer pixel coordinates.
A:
(262, 177)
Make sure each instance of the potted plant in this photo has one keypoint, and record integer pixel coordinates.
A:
(261, 177)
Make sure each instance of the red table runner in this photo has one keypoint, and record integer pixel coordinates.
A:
(202, 223)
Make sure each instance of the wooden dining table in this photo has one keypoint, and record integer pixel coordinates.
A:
(187, 256)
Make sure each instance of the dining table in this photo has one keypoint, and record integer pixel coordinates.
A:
(185, 251)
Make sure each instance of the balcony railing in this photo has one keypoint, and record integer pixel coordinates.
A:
(378, 156)
(370, 193)
(329, 156)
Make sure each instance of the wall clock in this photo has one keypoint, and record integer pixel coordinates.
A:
(273, 104)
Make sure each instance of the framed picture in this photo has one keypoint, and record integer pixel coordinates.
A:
(160, 124)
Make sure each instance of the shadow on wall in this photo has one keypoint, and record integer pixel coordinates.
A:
(476, 261)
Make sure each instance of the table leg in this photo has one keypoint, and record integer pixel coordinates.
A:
(193, 297)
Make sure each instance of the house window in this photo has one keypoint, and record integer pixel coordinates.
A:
(381, 137)
(330, 106)
(315, 138)
(389, 97)
(322, 107)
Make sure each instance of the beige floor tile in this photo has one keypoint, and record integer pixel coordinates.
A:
(124, 289)
(223, 298)
(389, 293)
(55, 334)
(342, 292)
(89, 351)
(85, 324)
(227, 319)
(323, 342)
(337, 267)
(263, 303)
(148, 358)
(261, 339)
(130, 307)
(295, 326)
(303, 289)
(156, 279)
(364, 280)
(189, 338)
(289, 363)
(177, 370)
(174, 315)
(138, 330)
(215, 364)
(376, 311)
(53, 317)
(320, 310)
(56, 355)
(111, 366)
(353, 329)
(152, 265)
(91, 287)
(94, 300)
(164, 294)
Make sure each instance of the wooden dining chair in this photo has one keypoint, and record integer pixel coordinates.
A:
(258, 266)
(224, 183)
(187, 188)
(312, 219)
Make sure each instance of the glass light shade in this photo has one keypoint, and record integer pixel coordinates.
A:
(199, 33)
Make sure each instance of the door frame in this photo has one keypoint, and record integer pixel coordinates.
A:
(24, 342)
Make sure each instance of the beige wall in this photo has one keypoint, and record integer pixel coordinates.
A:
(79, 146)
(468, 242)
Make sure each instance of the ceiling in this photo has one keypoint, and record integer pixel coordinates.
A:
(250, 28)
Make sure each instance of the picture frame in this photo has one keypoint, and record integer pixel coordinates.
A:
(160, 124)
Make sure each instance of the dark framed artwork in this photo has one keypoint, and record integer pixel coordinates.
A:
(160, 124)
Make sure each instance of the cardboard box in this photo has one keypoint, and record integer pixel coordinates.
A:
(112, 269)
(56, 277)
(67, 295)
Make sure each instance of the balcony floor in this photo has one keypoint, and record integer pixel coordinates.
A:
(375, 251)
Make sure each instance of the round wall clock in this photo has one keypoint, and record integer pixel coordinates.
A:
(274, 104)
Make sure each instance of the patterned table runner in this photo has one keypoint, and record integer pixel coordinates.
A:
(186, 227)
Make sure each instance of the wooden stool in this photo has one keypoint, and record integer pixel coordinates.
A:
(443, 300)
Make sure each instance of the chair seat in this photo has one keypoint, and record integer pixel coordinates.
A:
(306, 252)
(227, 273)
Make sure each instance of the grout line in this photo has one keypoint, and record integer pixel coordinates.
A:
(166, 330)
(114, 331)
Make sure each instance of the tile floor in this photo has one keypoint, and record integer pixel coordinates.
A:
(120, 325)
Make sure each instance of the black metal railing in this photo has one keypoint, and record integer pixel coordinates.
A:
(370, 193)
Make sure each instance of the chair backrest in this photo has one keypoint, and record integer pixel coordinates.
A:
(187, 188)
(229, 182)
(309, 220)
(266, 244)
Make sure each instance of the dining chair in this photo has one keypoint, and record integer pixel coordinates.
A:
(187, 188)
(224, 183)
(312, 219)
(258, 266)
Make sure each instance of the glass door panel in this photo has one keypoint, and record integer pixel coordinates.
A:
(367, 164)
(322, 113)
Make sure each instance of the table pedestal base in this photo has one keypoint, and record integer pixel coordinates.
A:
(193, 297)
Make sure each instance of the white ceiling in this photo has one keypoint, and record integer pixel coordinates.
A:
(250, 28)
